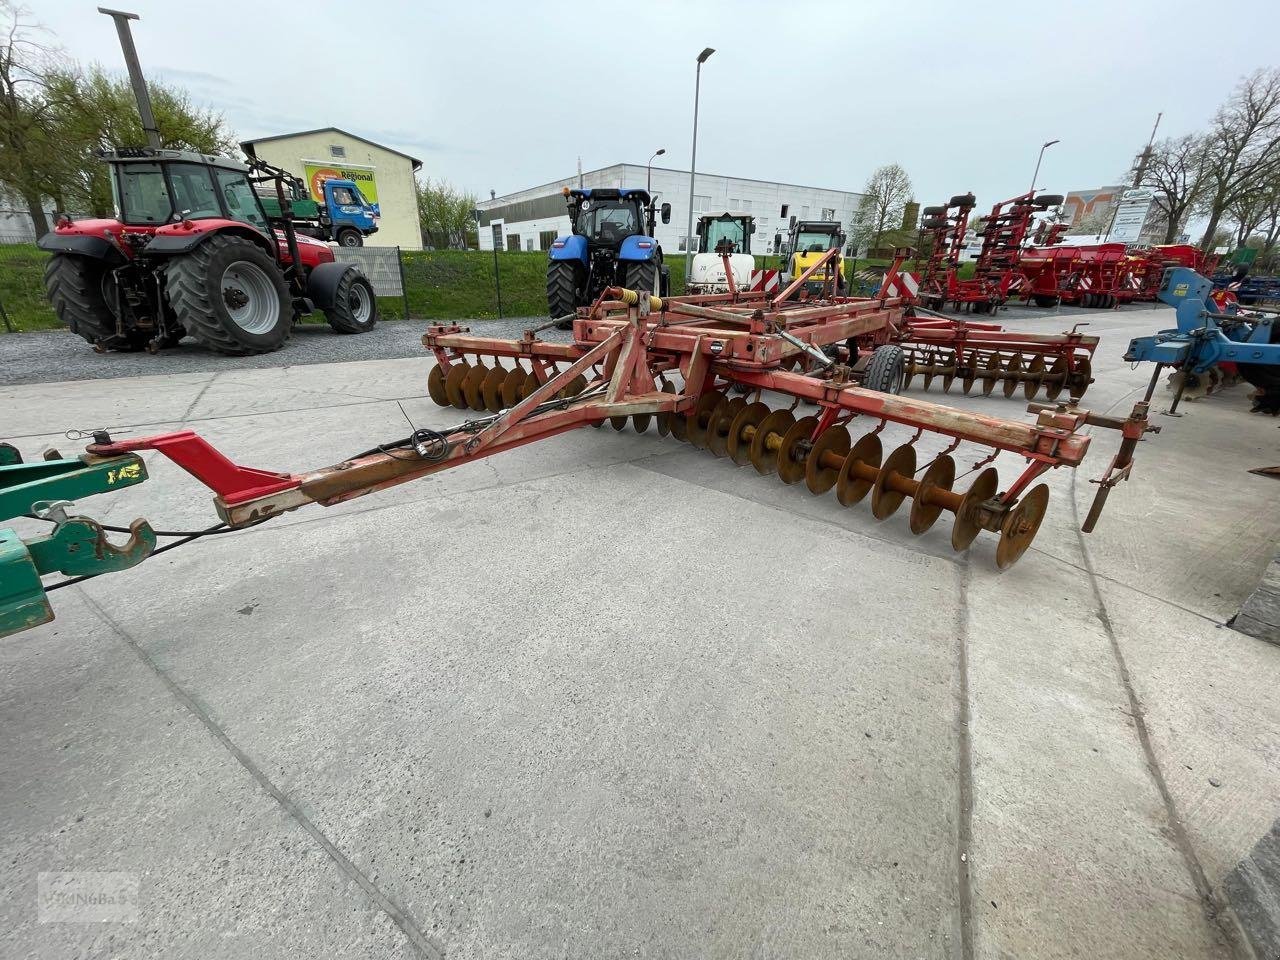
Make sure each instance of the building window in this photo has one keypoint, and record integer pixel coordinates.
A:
(497, 236)
(701, 204)
(804, 213)
(545, 239)
(513, 242)
(684, 243)
(337, 151)
(528, 245)
(735, 204)
(746, 206)
(783, 214)
(828, 213)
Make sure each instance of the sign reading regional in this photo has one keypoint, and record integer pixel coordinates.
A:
(317, 173)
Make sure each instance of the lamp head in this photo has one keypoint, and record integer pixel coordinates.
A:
(702, 57)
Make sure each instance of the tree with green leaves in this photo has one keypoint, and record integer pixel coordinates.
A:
(884, 198)
(445, 215)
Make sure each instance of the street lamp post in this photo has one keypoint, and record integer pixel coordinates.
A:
(693, 158)
(648, 177)
(1043, 148)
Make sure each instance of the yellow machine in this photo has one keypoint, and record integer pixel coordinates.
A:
(807, 241)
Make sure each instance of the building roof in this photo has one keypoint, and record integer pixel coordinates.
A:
(640, 166)
(346, 133)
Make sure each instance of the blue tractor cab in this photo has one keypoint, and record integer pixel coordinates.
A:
(612, 244)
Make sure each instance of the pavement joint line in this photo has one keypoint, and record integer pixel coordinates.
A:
(420, 941)
(964, 764)
(198, 397)
(341, 393)
(1214, 910)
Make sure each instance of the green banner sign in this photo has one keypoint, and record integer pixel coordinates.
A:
(317, 173)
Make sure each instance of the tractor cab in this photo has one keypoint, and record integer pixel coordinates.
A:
(611, 245)
(807, 241)
(152, 188)
(720, 235)
(728, 232)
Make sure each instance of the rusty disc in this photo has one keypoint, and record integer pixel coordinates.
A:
(664, 418)
(1035, 373)
(1057, 378)
(1011, 381)
(949, 377)
(471, 385)
(969, 374)
(531, 383)
(931, 359)
(850, 488)
(793, 452)
(1020, 526)
(991, 374)
(453, 383)
(1081, 377)
(435, 386)
(574, 386)
(967, 526)
(512, 384)
(912, 368)
(640, 421)
(884, 499)
(818, 476)
(775, 424)
(680, 426)
(703, 412)
(738, 446)
(939, 477)
(619, 423)
(718, 428)
(491, 388)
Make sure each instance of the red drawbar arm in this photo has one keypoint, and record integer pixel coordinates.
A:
(230, 481)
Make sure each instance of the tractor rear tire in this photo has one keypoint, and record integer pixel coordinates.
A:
(74, 286)
(642, 277)
(886, 370)
(355, 308)
(350, 238)
(231, 296)
(564, 280)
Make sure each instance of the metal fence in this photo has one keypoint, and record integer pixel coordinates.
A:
(383, 267)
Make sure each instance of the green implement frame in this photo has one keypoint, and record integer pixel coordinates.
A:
(76, 546)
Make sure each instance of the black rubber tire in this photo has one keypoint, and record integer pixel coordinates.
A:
(935, 223)
(193, 283)
(350, 237)
(1048, 200)
(564, 280)
(933, 212)
(1266, 377)
(966, 200)
(352, 289)
(73, 285)
(642, 277)
(885, 370)
(1044, 300)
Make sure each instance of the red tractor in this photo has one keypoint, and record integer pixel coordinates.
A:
(191, 251)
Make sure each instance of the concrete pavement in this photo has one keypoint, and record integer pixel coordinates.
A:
(607, 695)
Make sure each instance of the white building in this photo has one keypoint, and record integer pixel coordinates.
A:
(531, 219)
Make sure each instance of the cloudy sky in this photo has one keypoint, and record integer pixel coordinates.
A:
(501, 95)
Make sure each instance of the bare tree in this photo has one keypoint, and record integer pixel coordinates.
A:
(1175, 172)
(1242, 147)
(884, 198)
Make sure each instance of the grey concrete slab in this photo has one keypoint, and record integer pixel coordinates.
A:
(608, 694)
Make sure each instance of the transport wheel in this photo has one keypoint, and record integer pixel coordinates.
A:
(355, 309)
(886, 371)
(78, 288)
(642, 277)
(1045, 300)
(231, 296)
(564, 280)
(350, 238)
(1266, 377)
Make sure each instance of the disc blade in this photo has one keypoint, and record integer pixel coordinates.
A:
(453, 383)
(794, 450)
(820, 477)
(1056, 379)
(701, 416)
(1011, 374)
(991, 374)
(491, 389)
(512, 385)
(471, 386)
(764, 445)
(966, 524)
(859, 471)
(1021, 525)
(718, 428)
(939, 477)
(640, 421)
(900, 464)
(1035, 373)
(737, 445)
(435, 386)
(664, 418)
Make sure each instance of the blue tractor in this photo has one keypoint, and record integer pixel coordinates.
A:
(612, 245)
(1208, 334)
